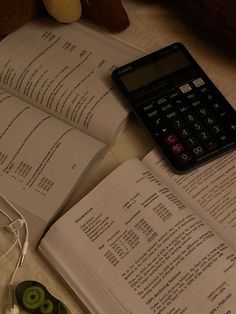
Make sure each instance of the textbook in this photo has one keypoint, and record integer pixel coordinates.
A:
(58, 112)
(147, 240)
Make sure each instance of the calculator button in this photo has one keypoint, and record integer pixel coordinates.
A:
(198, 82)
(158, 121)
(233, 127)
(203, 112)
(196, 103)
(222, 138)
(198, 151)
(220, 111)
(216, 129)
(198, 126)
(158, 127)
(191, 117)
(184, 132)
(153, 114)
(174, 95)
(148, 107)
(172, 114)
(209, 97)
(183, 109)
(216, 106)
(223, 114)
(171, 139)
(166, 107)
(210, 145)
(191, 96)
(179, 102)
(160, 132)
(177, 148)
(185, 88)
(177, 123)
(209, 121)
(191, 141)
(184, 157)
(163, 130)
(161, 101)
(203, 90)
(204, 135)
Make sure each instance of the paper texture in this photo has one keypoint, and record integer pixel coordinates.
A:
(145, 246)
(65, 71)
(41, 157)
(209, 190)
(58, 110)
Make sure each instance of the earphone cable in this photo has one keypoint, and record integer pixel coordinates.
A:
(15, 232)
(15, 271)
(14, 227)
(26, 241)
(10, 249)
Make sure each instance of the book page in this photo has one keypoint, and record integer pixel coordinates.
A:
(210, 190)
(65, 70)
(41, 158)
(144, 246)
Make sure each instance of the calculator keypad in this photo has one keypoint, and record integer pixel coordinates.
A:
(193, 122)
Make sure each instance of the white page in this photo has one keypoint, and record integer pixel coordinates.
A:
(41, 158)
(65, 70)
(151, 252)
(210, 190)
(78, 275)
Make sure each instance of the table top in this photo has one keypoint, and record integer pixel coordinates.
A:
(152, 26)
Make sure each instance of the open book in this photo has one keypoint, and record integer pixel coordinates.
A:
(146, 240)
(58, 111)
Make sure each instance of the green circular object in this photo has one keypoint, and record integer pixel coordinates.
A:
(33, 297)
(46, 307)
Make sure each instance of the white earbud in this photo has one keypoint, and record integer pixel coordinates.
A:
(14, 227)
(12, 307)
(12, 310)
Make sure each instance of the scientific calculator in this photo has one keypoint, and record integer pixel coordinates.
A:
(183, 111)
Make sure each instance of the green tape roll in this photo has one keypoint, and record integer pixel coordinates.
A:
(47, 307)
(33, 297)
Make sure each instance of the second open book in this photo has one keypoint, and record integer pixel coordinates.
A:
(146, 240)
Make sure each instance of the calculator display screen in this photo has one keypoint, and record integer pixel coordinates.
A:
(154, 70)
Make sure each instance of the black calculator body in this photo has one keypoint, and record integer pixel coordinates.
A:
(186, 115)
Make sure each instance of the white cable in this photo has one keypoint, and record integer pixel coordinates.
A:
(16, 233)
(26, 242)
(19, 213)
(11, 220)
(9, 250)
(14, 227)
(15, 270)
